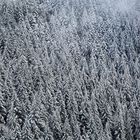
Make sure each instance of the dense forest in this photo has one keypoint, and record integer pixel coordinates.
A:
(69, 70)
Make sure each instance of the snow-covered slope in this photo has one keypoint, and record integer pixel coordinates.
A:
(69, 70)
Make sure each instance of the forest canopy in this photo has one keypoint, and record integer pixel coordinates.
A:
(69, 70)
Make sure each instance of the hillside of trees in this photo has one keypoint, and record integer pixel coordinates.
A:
(69, 70)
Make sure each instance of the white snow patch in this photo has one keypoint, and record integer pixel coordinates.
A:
(125, 5)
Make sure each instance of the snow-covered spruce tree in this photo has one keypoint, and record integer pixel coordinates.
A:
(69, 70)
